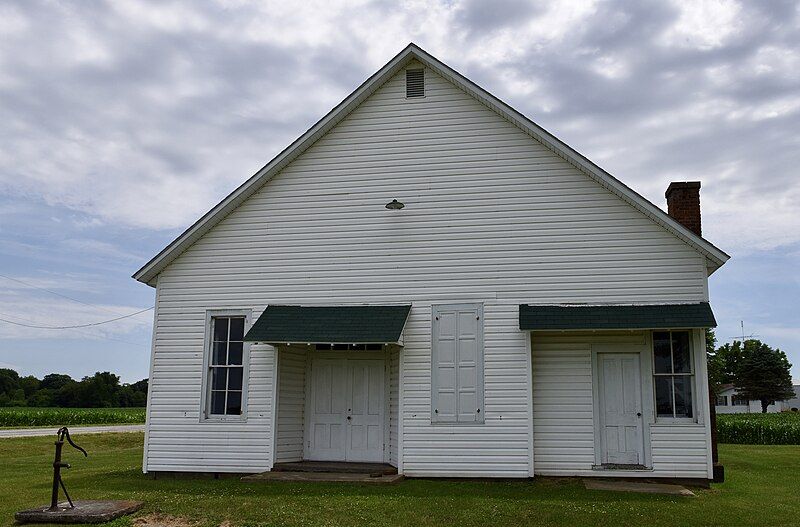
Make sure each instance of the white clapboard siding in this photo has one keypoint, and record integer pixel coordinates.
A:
(291, 404)
(563, 410)
(178, 439)
(491, 216)
(680, 451)
(499, 447)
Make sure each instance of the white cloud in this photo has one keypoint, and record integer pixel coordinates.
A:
(146, 114)
(139, 116)
(705, 24)
(24, 308)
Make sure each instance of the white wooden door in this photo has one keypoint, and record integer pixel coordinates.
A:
(328, 410)
(366, 411)
(346, 405)
(620, 408)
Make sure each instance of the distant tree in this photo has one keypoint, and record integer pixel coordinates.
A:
(760, 372)
(42, 398)
(101, 390)
(30, 385)
(67, 395)
(11, 393)
(133, 395)
(9, 380)
(54, 381)
(728, 358)
(715, 368)
(56, 389)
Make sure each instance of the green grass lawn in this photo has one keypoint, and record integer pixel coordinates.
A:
(762, 488)
(30, 417)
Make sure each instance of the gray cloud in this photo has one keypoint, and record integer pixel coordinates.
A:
(480, 17)
(146, 113)
(125, 120)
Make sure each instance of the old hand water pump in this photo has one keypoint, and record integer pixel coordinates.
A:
(62, 433)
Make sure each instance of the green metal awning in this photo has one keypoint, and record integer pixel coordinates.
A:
(661, 316)
(329, 325)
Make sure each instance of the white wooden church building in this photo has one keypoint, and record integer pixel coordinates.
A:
(428, 279)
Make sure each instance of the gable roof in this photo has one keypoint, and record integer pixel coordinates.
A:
(147, 274)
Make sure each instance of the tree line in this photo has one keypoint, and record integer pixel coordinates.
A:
(757, 371)
(101, 390)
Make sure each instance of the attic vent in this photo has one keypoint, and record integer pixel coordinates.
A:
(415, 83)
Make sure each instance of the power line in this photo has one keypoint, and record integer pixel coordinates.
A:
(57, 293)
(95, 335)
(35, 326)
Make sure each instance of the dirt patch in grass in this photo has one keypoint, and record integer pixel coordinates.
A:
(162, 520)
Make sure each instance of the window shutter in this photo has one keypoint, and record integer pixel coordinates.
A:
(457, 364)
(468, 323)
(444, 374)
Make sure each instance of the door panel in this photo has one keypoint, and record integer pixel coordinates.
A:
(346, 420)
(620, 408)
(365, 430)
(328, 412)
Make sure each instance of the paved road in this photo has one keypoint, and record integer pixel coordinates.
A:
(74, 431)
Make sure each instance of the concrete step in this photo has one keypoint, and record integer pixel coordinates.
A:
(325, 477)
(337, 467)
(637, 486)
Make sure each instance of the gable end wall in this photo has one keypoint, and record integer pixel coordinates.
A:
(491, 216)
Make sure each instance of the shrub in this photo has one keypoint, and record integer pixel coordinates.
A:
(759, 429)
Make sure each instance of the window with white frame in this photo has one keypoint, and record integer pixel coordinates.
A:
(722, 400)
(673, 374)
(225, 381)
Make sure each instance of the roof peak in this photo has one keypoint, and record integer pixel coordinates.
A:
(151, 269)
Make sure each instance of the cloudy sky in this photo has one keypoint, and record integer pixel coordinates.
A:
(122, 122)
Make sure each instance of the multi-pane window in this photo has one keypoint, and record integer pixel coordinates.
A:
(673, 374)
(738, 400)
(225, 367)
(722, 400)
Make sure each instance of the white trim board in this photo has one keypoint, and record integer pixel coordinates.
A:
(205, 393)
(150, 377)
(151, 269)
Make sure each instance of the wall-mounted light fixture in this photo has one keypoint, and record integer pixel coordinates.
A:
(394, 205)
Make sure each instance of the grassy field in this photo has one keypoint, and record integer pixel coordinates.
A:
(759, 429)
(762, 489)
(17, 417)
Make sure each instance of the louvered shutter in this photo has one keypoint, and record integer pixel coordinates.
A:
(457, 364)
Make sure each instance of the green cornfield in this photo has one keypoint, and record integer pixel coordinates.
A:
(759, 429)
(30, 416)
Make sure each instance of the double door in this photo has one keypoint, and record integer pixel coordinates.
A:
(346, 406)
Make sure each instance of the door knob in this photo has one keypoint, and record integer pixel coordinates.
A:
(348, 417)
(638, 414)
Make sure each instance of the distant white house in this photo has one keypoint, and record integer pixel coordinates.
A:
(793, 404)
(729, 402)
(430, 280)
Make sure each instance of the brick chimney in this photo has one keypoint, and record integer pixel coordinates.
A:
(683, 204)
